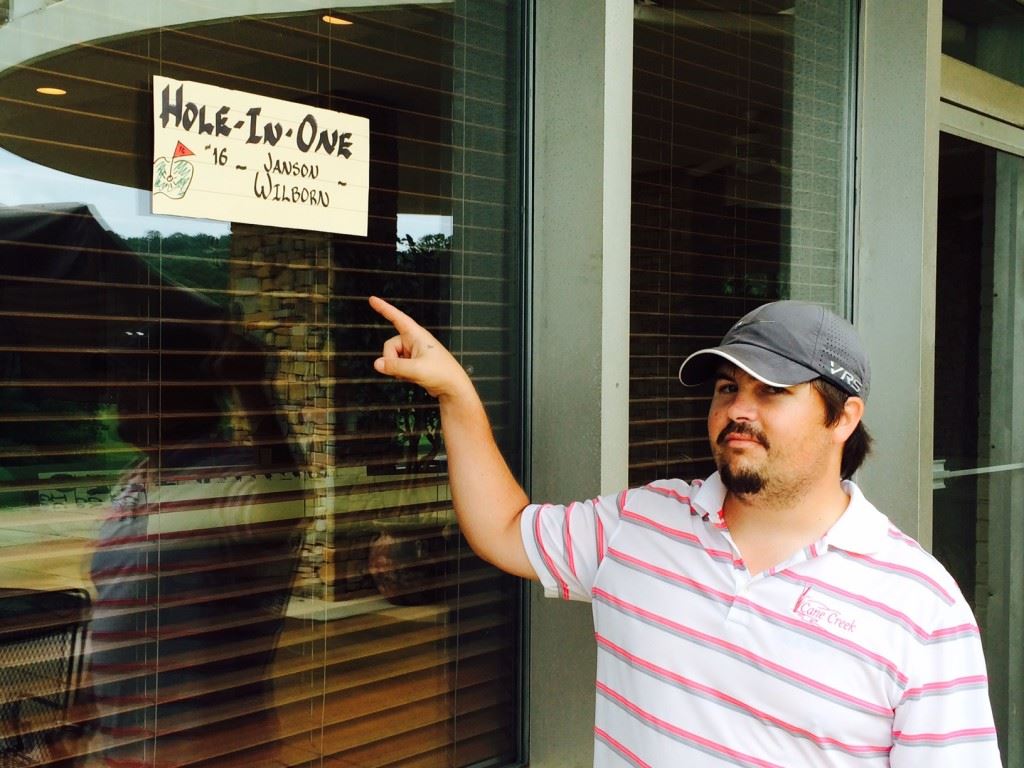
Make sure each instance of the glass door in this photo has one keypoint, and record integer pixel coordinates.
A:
(979, 406)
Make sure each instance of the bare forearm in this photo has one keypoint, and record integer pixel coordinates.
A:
(487, 497)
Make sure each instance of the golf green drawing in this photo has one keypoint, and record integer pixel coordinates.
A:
(172, 177)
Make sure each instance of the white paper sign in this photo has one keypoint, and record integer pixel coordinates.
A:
(234, 156)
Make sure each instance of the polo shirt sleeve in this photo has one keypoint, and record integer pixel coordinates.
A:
(944, 716)
(567, 544)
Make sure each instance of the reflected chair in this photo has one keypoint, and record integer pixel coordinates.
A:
(41, 641)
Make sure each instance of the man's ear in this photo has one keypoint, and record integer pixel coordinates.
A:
(852, 413)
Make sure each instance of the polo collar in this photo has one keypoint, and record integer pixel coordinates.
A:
(861, 529)
(708, 500)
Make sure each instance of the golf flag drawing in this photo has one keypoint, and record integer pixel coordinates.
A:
(247, 158)
(173, 177)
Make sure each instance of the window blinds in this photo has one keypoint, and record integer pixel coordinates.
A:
(243, 534)
(739, 175)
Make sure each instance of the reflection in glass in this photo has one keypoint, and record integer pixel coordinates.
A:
(988, 34)
(197, 540)
(252, 531)
(741, 114)
(978, 451)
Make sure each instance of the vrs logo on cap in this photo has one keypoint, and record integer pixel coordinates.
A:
(844, 375)
(786, 343)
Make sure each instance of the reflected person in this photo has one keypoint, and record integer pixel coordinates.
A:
(195, 560)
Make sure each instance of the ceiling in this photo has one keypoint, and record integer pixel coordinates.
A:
(395, 58)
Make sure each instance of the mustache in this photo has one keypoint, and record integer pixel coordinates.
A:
(741, 428)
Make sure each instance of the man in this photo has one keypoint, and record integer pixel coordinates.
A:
(766, 616)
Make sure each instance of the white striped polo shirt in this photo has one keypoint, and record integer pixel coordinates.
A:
(857, 651)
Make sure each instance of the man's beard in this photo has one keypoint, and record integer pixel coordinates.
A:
(743, 482)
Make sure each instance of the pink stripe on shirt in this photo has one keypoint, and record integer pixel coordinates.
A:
(687, 736)
(796, 625)
(567, 528)
(912, 573)
(680, 535)
(923, 739)
(548, 560)
(699, 688)
(670, 493)
(879, 607)
(675, 533)
(945, 686)
(623, 751)
(702, 638)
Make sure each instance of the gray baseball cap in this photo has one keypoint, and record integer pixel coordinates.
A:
(786, 343)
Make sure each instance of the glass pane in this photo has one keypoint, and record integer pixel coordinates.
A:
(988, 34)
(224, 540)
(979, 383)
(740, 176)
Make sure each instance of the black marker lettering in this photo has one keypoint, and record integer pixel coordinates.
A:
(169, 110)
(253, 113)
(222, 121)
(307, 128)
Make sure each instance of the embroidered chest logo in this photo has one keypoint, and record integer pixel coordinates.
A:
(818, 613)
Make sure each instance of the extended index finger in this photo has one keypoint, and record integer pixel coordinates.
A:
(402, 322)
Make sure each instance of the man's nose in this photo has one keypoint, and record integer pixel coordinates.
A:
(743, 406)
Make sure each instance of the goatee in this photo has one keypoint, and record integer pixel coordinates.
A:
(742, 483)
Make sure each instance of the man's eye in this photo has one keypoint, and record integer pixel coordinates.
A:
(725, 389)
(777, 390)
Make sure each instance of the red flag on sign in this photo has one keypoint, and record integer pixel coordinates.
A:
(181, 151)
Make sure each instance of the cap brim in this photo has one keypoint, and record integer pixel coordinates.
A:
(763, 364)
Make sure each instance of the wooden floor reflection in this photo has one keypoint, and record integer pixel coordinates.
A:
(398, 686)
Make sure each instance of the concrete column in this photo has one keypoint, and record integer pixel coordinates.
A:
(580, 322)
(894, 274)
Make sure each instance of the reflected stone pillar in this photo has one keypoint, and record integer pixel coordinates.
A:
(280, 284)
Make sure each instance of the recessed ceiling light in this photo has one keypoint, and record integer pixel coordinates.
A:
(328, 19)
(47, 90)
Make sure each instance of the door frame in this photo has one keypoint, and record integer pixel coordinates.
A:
(989, 111)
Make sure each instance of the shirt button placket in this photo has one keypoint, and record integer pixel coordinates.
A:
(738, 612)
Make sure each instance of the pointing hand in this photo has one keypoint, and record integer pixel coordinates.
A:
(415, 355)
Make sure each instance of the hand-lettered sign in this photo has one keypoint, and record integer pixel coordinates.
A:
(234, 156)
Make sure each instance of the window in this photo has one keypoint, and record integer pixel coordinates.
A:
(977, 453)
(243, 535)
(740, 178)
(987, 34)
